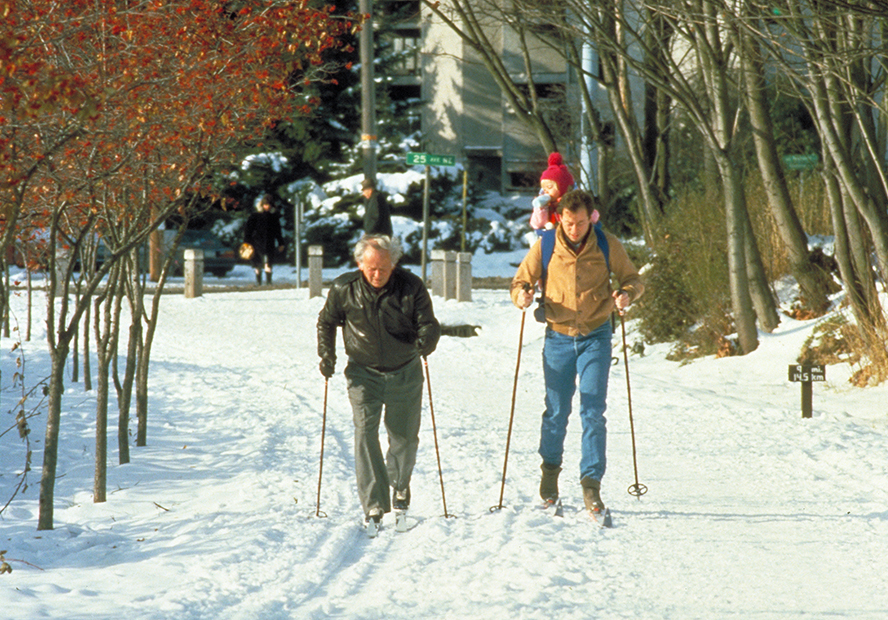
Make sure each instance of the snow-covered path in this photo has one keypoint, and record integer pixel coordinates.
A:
(752, 512)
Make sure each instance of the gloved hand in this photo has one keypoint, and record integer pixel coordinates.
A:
(541, 201)
(424, 349)
(327, 367)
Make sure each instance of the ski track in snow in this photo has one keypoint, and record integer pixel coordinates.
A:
(751, 512)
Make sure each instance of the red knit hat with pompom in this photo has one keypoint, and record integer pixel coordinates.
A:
(559, 173)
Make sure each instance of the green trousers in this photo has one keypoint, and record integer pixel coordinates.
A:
(394, 398)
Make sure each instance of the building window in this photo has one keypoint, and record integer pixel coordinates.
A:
(545, 91)
(551, 96)
(399, 10)
(405, 51)
(544, 17)
(524, 179)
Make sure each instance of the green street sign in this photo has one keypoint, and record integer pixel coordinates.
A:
(800, 162)
(429, 159)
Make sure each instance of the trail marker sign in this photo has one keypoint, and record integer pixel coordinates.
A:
(806, 374)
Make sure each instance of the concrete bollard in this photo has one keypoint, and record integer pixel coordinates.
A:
(464, 276)
(63, 261)
(315, 265)
(194, 268)
(450, 275)
(438, 272)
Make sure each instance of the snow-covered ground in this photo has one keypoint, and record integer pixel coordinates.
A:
(752, 511)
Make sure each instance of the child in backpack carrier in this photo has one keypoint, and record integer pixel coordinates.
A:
(555, 181)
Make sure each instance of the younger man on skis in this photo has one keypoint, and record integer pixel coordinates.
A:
(577, 347)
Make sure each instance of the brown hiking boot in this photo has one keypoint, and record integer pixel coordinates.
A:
(549, 482)
(592, 495)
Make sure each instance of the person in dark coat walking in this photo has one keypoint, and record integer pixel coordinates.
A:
(377, 215)
(387, 324)
(263, 232)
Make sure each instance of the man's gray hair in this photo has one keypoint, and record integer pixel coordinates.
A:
(392, 245)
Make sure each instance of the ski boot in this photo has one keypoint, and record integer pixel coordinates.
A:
(592, 498)
(400, 503)
(549, 487)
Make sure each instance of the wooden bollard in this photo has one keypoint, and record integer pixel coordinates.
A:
(438, 272)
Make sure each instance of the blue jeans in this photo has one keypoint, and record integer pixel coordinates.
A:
(568, 361)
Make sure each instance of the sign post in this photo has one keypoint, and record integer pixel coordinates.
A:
(806, 374)
(427, 160)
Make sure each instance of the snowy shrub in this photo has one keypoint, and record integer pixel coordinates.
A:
(667, 308)
(686, 282)
(230, 232)
(335, 233)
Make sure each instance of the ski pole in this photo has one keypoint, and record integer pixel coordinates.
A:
(318, 512)
(512, 412)
(435, 434)
(636, 489)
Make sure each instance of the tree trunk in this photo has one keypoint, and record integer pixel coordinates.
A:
(859, 283)
(713, 64)
(658, 105)
(101, 465)
(4, 294)
(135, 293)
(762, 298)
(144, 358)
(736, 221)
(87, 365)
(649, 204)
(104, 327)
(813, 292)
(831, 116)
(28, 312)
(59, 355)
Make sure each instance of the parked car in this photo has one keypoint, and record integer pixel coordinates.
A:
(219, 259)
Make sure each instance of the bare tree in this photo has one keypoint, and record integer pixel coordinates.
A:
(562, 27)
(697, 72)
(834, 54)
(811, 280)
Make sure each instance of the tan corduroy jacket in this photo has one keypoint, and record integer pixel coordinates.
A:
(578, 287)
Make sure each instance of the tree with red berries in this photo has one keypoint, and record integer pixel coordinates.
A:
(122, 114)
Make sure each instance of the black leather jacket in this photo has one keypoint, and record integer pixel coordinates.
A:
(383, 329)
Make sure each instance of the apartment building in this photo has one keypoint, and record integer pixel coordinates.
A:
(464, 112)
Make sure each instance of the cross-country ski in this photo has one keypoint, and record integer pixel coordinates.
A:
(401, 524)
(553, 507)
(602, 518)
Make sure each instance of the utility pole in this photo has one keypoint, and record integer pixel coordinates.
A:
(368, 92)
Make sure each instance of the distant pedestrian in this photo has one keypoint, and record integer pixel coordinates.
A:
(377, 215)
(263, 232)
(577, 345)
(387, 324)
